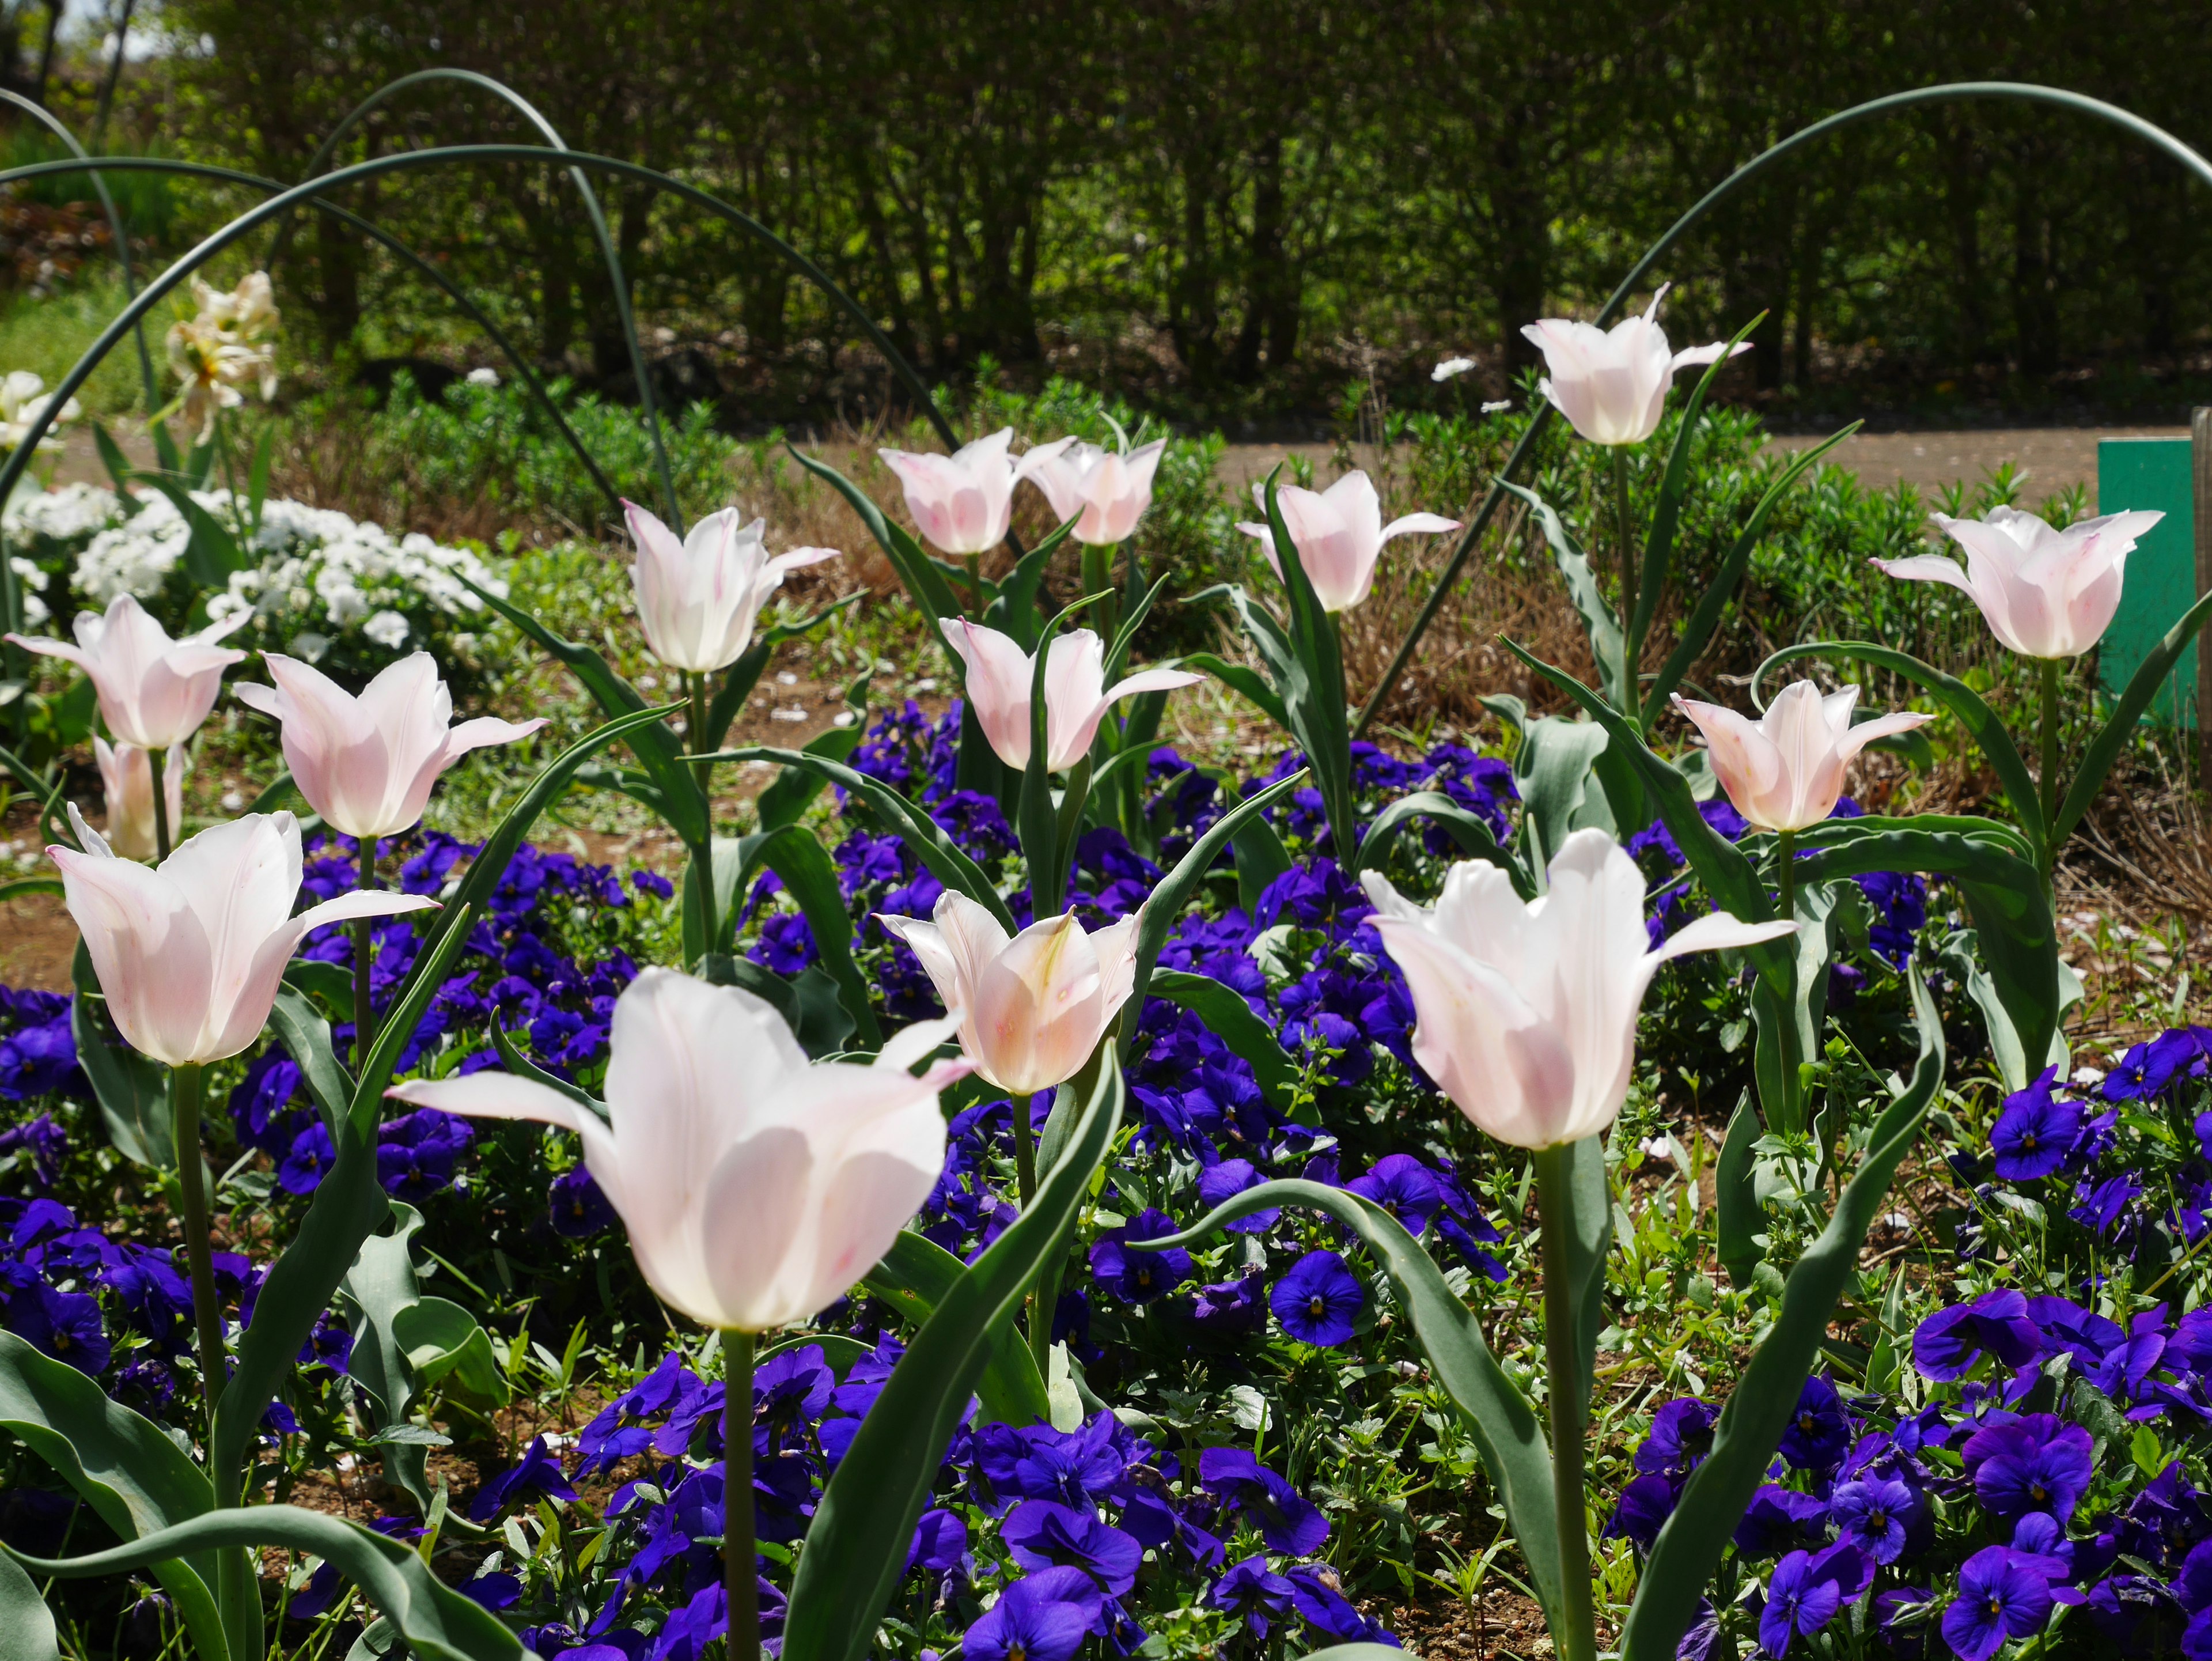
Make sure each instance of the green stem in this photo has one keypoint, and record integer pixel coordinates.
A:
(159, 761)
(1025, 1189)
(1098, 579)
(1555, 1196)
(1630, 651)
(739, 1558)
(364, 951)
(695, 686)
(2049, 782)
(185, 1083)
(1786, 872)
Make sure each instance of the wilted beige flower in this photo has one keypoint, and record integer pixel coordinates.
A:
(229, 344)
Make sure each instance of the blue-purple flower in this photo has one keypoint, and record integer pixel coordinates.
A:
(1319, 1300)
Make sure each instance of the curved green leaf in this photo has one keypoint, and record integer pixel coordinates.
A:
(2004, 894)
(381, 1285)
(1475, 838)
(1229, 1019)
(924, 582)
(1552, 767)
(136, 1480)
(913, 1277)
(1962, 701)
(946, 859)
(1244, 680)
(1704, 616)
(306, 1036)
(1737, 1221)
(1314, 700)
(1751, 1425)
(1160, 912)
(25, 1617)
(2112, 737)
(1667, 509)
(1260, 858)
(1506, 1427)
(856, 1547)
(797, 855)
(1599, 621)
(786, 798)
(437, 1622)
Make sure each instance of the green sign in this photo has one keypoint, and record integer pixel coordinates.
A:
(2161, 579)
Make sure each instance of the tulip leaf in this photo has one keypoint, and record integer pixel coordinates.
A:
(212, 553)
(924, 582)
(1737, 1218)
(683, 803)
(443, 1339)
(1507, 1433)
(1260, 858)
(2005, 896)
(125, 1466)
(1241, 678)
(25, 1617)
(912, 1278)
(1963, 703)
(133, 1092)
(798, 856)
(922, 834)
(380, 1285)
(1475, 838)
(1697, 630)
(1036, 820)
(856, 1548)
(1588, 1235)
(1313, 699)
(2112, 737)
(1553, 770)
(1600, 622)
(1229, 1019)
(1160, 912)
(786, 797)
(1751, 1426)
(437, 1622)
(348, 1206)
(1667, 510)
(306, 1036)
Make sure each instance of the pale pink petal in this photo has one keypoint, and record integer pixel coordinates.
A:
(148, 951)
(753, 1219)
(997, 685)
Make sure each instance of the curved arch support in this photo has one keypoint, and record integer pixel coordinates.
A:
(1957, 92)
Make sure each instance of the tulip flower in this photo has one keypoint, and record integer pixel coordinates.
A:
(756, 1186)
(2045, 593)
(1526, 1013)
(698, 600)
(366, 764)
(126, 772)
(189, 952)
(962, 502)
(1785, 771)
(1034, 1006)
(154, 691)
(1105, 492)
(1076, 696)
(1612, 386)
(1339, 533)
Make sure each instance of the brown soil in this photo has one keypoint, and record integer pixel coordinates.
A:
(1501, 1625)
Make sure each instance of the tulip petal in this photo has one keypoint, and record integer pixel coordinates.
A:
(1419, 525)
(492, 1094)
(754, 1221)
(1718, 931)
(997, 686)
(148, 951)
(1882, 726)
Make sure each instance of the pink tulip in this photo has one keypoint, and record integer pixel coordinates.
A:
(1612, 385)
(756, 1186)
(1785, 771)
(962, 502)
(154, 691)
(1109, 490)
(1339, 533)
(189, 952)
(1036, 1005)
(2046, 594)
(126, 772)
(366, 764)
(698, 600)
(1527, 1013)
(1076, 696)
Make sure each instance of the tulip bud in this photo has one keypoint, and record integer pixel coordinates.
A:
(1612, 385)
(1785, 771)
(698, 600)
(154, 691)
(126, 772)
(757, 1186)
(964, 502)
(2045, 593)
(1526, 1013)
(1106, 493)
(366, 764)
(1339, 533)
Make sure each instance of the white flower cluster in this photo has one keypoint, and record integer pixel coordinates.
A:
(318, 575)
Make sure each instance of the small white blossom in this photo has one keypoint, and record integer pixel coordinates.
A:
(1450, 367)
(387, 629)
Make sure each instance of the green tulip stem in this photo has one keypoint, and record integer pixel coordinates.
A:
(695, 686)
(1555, 1196)
(2049, 782)
(1629, 653)
(159, 761)
(1785, 872)
(185, 1083)
(364, 952)
(1025, 1188)
(739, 1558)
